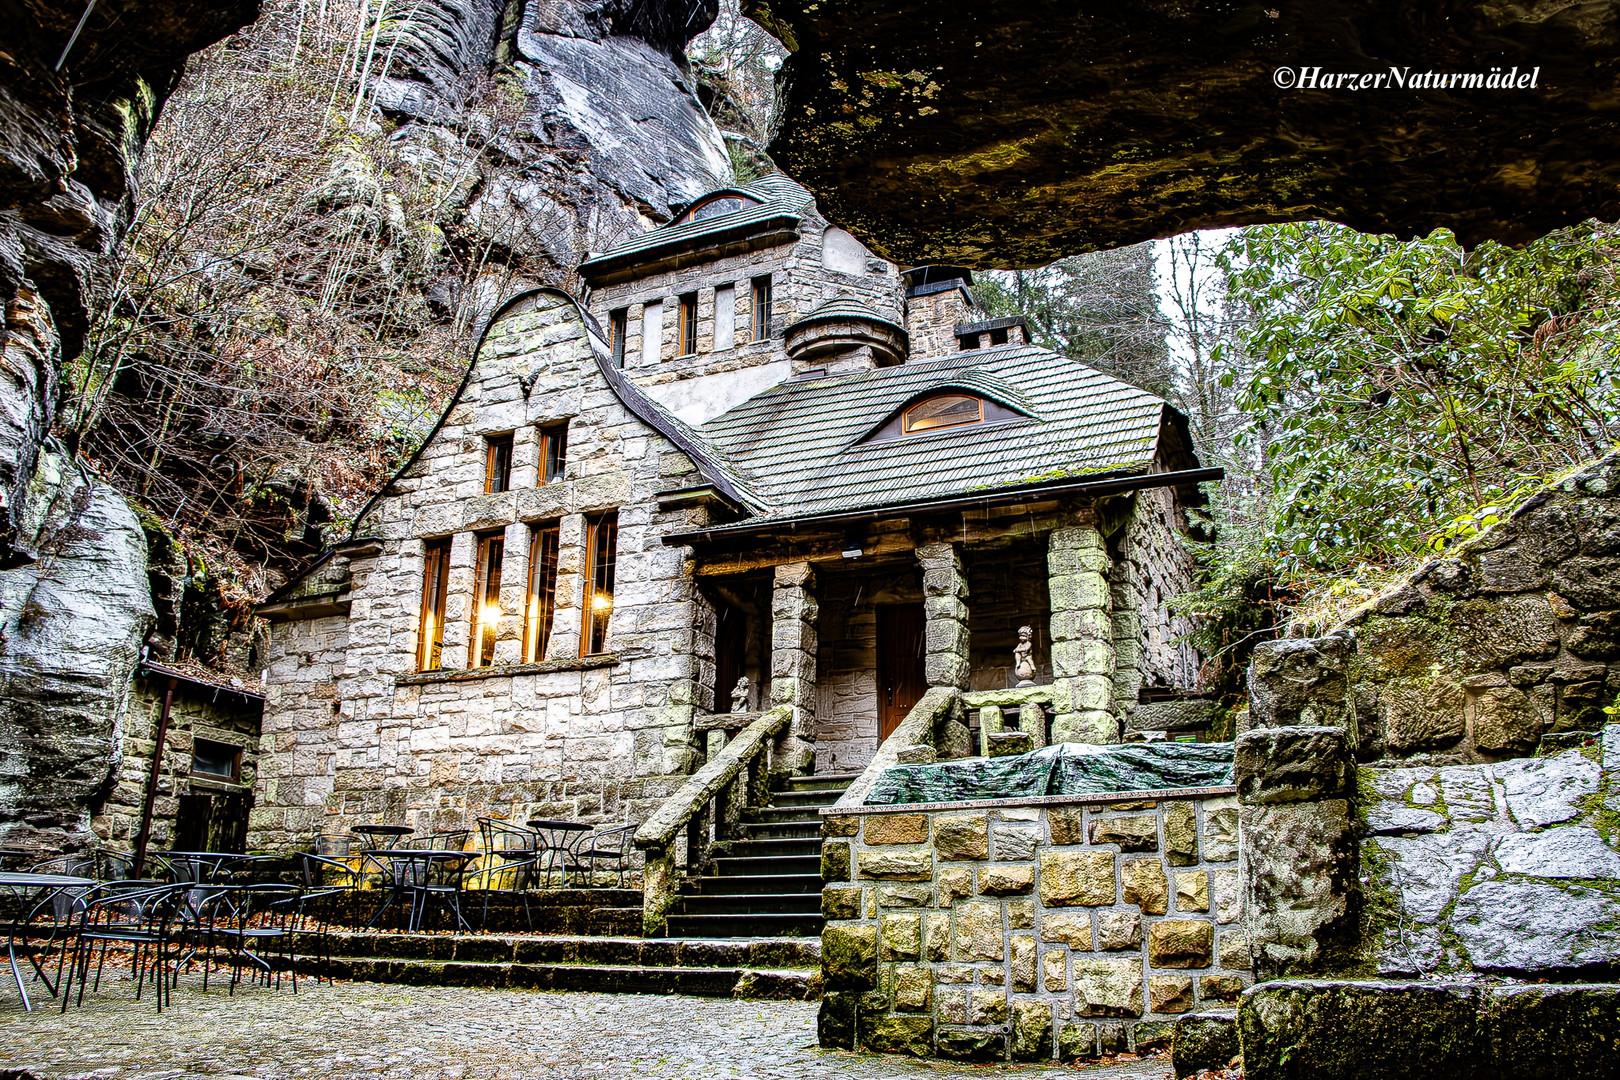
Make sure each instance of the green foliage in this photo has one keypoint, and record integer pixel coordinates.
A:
(1408, 392)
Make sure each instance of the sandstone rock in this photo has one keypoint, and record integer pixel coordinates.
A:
(1145, 886)
(1292, 764)
(840, 826)
(901, 937)
(953, 1007)
(1549, 1032)
(1073, 878)
(1070, 928)
(1234, 952)
(1170, 993)
(1077, 1042)
(1226, 890)
(1117, 930)
(1424, 712)
(896, 829)
(1192, 891)
(955, 882)
(962, 836)
(834, 861)
(1525, 927)
(1220, 830)
(913, 987)
(1055, 970)
(841, 903)
(937, 936)
(897, 865)
(1105, 986)
(988, 1007)
(997, 880)
(1205, 1040)
(835, 1020)
(1067, 824)
(1181, 834)
(1299, 681)
(912, 1035)
(1023, 962)
(1190, 714)
(971, 1045)
(1301, 896)
(1505, 720)
(920, 895)
(1296, 1029)
(849, 956)
(1008, 743)
(1181, 943)
(1575, 851)
(1546, 791)
(978, 932)
(1219, 987)
(1130, 833)
(1015, 843)
(1031, 1031)
(1021, 914)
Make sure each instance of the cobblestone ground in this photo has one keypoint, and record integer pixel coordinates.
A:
(449, 1033)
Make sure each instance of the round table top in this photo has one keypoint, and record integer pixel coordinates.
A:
(420, 853)
(570, 826)
(17, 878)
(384, 830)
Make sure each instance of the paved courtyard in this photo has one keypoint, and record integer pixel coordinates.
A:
(371, 1030)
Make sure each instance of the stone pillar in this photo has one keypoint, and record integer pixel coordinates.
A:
(793, 662)
(945, 631)
(458, 602)
(1082, 636)
(567, 620)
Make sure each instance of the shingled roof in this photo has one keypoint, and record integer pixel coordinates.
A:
(801, 445)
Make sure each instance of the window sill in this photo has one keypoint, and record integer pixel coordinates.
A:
(499, 671)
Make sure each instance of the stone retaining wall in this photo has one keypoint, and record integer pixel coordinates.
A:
(1032, 930)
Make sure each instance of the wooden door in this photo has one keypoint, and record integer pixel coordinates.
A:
(900, 678)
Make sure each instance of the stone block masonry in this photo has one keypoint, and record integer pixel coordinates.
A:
(1060, 929)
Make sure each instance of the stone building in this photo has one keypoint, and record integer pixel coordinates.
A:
(754, 451)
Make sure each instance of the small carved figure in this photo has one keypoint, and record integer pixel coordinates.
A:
(739, 696)
(1024, 657)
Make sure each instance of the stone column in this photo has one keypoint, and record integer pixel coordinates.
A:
(1082, 636)
(567, 621)
(458, 602)
(514, 594)
(945, 631)
(793, 662)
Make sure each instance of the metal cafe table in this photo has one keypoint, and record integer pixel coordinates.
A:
(378, 836)
(556, 842)
(412, 869)
(29, 892)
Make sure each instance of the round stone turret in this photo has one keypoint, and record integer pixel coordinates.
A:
(845, 334)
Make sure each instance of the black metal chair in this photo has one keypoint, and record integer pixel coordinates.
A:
(511, 856)
(610, 846)
(144, 919)
(258, 927)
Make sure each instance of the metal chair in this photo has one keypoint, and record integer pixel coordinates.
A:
(144, 919)
(258, 927)
(510, 859)
(603, 846)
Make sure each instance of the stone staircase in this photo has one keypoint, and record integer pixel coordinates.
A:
(768, 883)
(777, 969)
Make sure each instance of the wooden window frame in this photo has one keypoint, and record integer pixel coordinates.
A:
(498, 463)
(540, 609)
(601, 562)
(435, 590)
(688, 324)
(235, 758)
(486, 613)
(618, 330)
(905, 417)
(553, 463)
(759, 319)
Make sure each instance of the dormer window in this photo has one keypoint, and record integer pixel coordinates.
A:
(942, 411)
(720, 204)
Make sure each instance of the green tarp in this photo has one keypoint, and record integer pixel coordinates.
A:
(1062, 769)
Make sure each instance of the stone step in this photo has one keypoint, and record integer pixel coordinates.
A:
(741, 903)
(814, 797)
(763, 952)
(821, 782)
(783, 815)
(782, 984)
(805, 830)
(773, 848)
(745, 926)
(754, 883)
(739, 866)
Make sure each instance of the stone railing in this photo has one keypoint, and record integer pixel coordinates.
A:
(705, 806)
(1028, 708)
(930, 731)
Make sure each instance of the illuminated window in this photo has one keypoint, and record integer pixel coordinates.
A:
(542, 592)
(487, 599)
(618, 327)
(688, 325)
(761, 328)
(943, 411)
(553, 452)
(601, 544)
(720, 204)
(498, 463)
(430, 633)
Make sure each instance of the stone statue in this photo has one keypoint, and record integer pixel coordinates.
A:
(739, 696)
(1024, 657)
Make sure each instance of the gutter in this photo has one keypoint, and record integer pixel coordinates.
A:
(1112, 486)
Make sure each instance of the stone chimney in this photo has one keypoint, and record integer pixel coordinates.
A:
(938, 299)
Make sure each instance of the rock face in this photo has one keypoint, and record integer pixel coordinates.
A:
(1013, 133)
(611, 138)
(74, 602)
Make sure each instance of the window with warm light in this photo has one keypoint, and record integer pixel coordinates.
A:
(487, 599)
(618, 329)
(430, 631)
(720, 204)
(942, 411)
(537, 616)
(553, 452)
(601, 552)
(498, 463)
